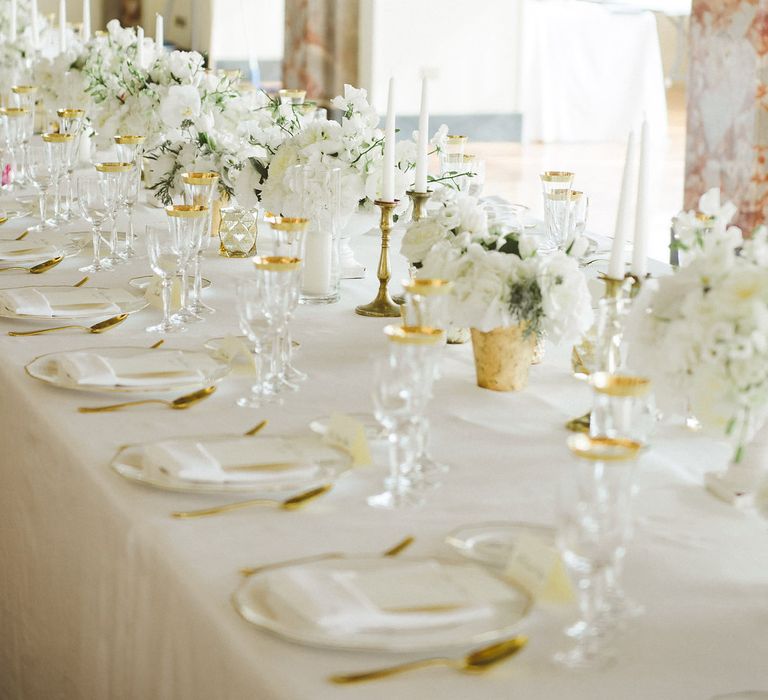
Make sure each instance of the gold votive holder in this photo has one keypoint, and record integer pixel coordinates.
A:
(238, 232)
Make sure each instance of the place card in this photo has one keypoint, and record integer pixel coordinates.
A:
(348, 434)
(231, 348)
(538, 567)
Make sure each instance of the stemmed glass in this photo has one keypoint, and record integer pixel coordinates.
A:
(24, 96)
(70, 122)
(279, 277)
(60, 146)
(112, 177)
(401, 389)
(254, 323)
(16, 124)
(40, 171)
(189, 222)
(593, 521)
(166, 249)
(93, 208)
(200, 189)
(556, 187)
(289, 240)
(129, 150)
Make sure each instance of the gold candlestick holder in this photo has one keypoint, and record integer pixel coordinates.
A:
(636, 283)
(419, 200)
(383, 306)
(613, 286)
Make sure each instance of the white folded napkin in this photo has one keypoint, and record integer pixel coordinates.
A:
(63, 301)
(404, 596)
(238, 459)
(145, 368)
(27, 251)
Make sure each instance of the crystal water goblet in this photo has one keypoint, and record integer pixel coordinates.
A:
(60, 146)
(189, 222)
(594, 496)
(254, 323)
(200, 188)
(280, 278)
(92, 206)
(70, 122)
(166, 249)
(40, 171)
(556, 188)
(15, 120)
(25, 96)
(112, 177)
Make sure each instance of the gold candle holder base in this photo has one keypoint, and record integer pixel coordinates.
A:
(613, 286)
(383, 305)
(636, 284)
(419, 200)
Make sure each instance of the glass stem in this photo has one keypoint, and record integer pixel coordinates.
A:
(41, 203)
(113, 234)
(165, 290)
(198, 282)
(130, 234)
(276, 370)
(96, 246)
(184, 286)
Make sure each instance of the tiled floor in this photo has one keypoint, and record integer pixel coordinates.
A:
(512, 171)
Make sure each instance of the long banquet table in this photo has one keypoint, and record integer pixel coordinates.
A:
(103, 595)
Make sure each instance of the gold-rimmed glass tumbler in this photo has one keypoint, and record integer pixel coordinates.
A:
(556, 188)
(200, 188)
(165, 250)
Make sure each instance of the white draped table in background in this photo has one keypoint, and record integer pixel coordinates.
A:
(103, 595)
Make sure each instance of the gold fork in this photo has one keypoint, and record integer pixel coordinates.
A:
(100, 327)
(179, 403)
(36, 269)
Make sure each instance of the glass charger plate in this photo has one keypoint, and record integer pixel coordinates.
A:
(145, 280)
(131, 307)
(373, 429)
(252, 601)
(492, 543)
(128, 464)
(67, 245)
(44, 369)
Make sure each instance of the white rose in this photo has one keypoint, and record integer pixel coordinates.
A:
(419, 239)
(180, 103)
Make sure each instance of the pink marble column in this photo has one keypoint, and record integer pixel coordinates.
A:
(321, 46)
(728, 106)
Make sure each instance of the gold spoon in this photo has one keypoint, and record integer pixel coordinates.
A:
(179, 403)
(391, 552)
(580, 424)
(292, 503)
(255, 429)
(81, 282)
(3, 219)
(23, 235)
(37, 269)
(476, 661)
(100, 327)
(156, 345)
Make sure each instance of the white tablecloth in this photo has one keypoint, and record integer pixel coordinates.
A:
(103, 595)
(590, 72)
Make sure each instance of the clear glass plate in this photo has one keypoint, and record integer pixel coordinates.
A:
(492, 543)
(128, 464)
(503, 618)
(137, 304)
(373, 429)
(45, 369)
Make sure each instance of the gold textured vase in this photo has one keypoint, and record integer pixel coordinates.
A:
(503, 357)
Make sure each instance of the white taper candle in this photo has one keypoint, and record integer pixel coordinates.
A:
(616, 262)
(14, 20)
(86, 33)
(140, 47)
(35, 26)
(423, 144)
(159, 38)
(62, 26)
(640, 250)
(388, 185)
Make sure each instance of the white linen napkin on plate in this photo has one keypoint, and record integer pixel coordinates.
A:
(144, 368)
(268, 460)
(405, 596)
(73, 302)
(27, 251)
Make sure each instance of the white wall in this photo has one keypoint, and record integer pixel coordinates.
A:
(470, 49)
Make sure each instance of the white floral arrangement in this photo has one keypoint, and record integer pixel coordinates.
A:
(355, 146)
(709, 323)
(499, 279)
(17, 56)
(691, 228)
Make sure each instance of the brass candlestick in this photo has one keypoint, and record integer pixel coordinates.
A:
(383, 305)
(636, 283)
(613, 286)
(419, 200)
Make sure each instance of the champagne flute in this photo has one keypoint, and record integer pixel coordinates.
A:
(166, 249)
(189, 222)
(70, 122)
(129, 150)
(200, 189)
(59, 146)
(93, 208)
(112, 176)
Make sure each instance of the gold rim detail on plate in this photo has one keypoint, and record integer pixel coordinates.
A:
(276, 263)
(413, 335)
(603, 449)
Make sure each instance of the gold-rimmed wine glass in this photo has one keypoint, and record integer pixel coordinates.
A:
(113, 176)
(188, 220)
(200, 188)
(60, 145)
(71, 121)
